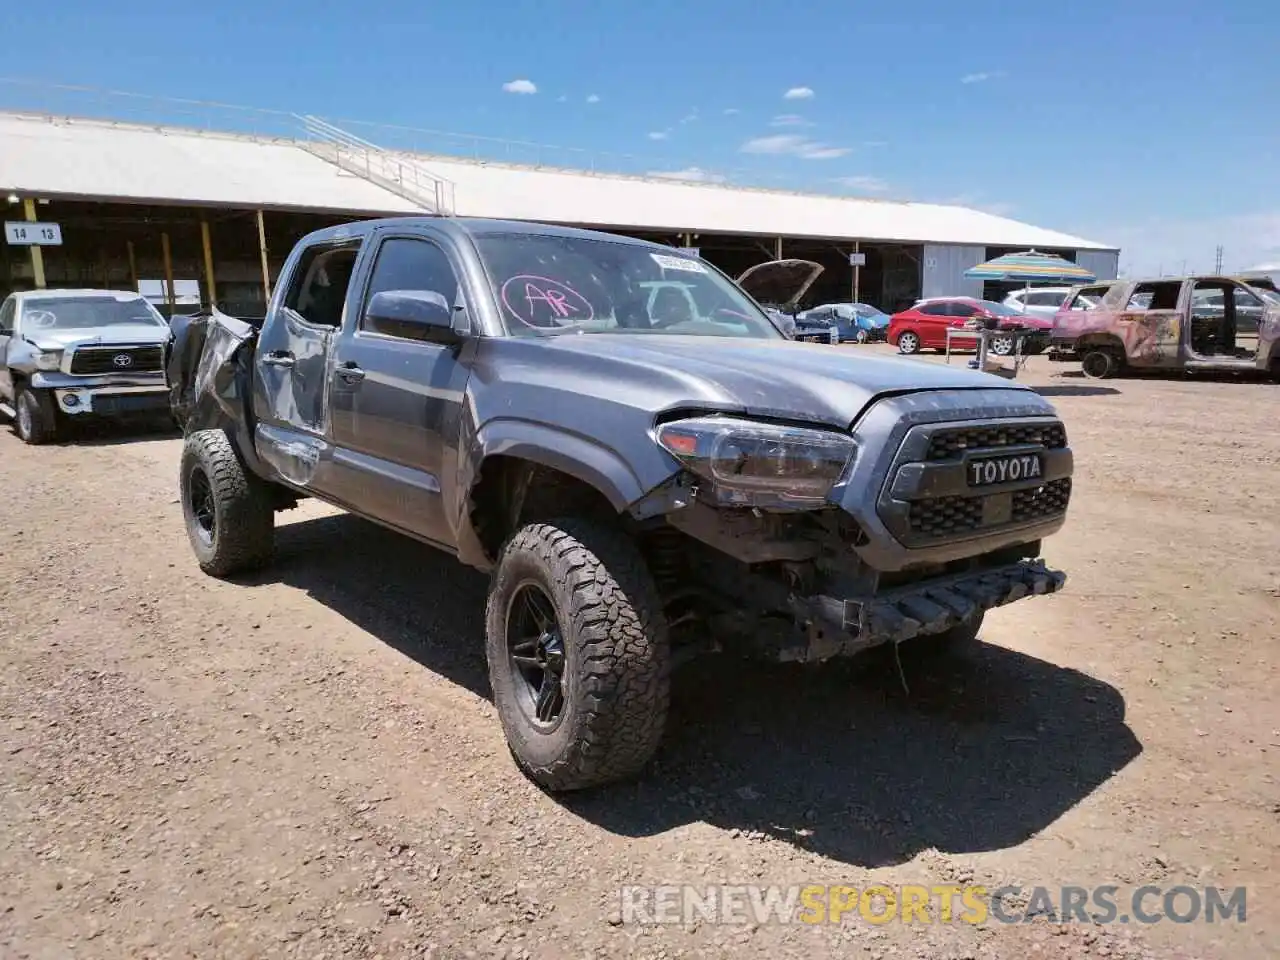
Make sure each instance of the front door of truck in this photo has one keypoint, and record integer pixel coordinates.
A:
(396, 395)
(291, 365)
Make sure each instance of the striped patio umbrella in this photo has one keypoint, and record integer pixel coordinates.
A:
(1031, 267)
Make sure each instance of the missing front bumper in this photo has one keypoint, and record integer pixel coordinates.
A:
(838, 627)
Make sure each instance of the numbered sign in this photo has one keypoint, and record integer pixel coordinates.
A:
(857, 259)
(20, 233)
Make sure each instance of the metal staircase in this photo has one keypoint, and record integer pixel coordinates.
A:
(398, 173)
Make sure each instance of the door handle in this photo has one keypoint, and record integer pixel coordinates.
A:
(350, 373)
(279, 359)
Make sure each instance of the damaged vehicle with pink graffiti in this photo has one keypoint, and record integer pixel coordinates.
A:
(1195, 323)
(624, 440)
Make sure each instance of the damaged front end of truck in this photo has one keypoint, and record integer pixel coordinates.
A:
(929, 511)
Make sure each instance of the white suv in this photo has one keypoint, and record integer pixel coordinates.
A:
(1038, 301)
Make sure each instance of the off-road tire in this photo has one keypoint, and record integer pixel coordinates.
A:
(35, 417)
(958, 642)
(908, 342)
(1101, 363)
(241, 537)
(616, 679)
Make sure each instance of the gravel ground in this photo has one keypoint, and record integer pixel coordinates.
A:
(308, 765)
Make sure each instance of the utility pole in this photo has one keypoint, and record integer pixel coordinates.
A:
(1217, 263)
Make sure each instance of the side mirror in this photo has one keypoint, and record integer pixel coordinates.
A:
(413, 314)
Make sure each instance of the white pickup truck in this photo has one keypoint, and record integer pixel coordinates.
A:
(79, 353)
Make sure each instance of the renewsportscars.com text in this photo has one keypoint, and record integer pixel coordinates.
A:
(939, 903)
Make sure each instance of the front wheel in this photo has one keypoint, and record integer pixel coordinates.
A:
(862, 336)
(229, 513)
(36, 419)
(908, 343)
(578, 654)
(958, 642)
(1100, 363)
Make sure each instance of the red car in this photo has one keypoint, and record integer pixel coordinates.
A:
(924, 325)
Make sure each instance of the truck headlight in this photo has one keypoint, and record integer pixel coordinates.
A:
(756, 464)
(49, 360)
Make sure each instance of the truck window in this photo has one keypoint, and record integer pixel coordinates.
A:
(406, 263)
(7, 310)
(318, 291)
(1161, 295)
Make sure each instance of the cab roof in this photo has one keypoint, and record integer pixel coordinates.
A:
(472, 227)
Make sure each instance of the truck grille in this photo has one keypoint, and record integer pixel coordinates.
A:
(955, 516)
(946, 444)
(945, 516)
(89, 361)
(1043, 501)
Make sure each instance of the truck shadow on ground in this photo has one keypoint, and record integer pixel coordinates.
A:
(980, 754)
(1075, 390)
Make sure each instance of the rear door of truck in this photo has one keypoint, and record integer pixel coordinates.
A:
(396, 394)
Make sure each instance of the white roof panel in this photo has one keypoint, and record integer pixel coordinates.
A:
(91, 158)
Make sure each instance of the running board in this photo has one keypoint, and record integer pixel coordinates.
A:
(8, 411)
(1221, 365)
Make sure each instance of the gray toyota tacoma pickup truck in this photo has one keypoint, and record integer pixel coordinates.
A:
(645, 466)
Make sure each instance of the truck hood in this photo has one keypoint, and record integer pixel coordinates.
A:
(780, 283)
(125, 333)
(772, 378)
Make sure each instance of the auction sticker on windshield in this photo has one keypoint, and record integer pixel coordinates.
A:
(678, 263)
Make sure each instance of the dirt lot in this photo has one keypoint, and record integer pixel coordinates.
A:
(308, 765)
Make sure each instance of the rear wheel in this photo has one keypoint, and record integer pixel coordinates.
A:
(578, 654)
(908, 342)
(1100, 363)
(1001, 346)
(229, 513)
(36, 419)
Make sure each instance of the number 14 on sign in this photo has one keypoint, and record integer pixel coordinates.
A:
(24, 233)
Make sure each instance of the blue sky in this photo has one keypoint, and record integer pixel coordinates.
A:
(1149, 125)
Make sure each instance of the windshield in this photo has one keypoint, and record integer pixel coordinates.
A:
(1269, 297)
(865, 310)
(549, 284)
(69, 313)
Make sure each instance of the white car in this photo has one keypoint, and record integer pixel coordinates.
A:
(1038, 301)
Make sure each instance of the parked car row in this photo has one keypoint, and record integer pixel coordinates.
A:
(924, 326)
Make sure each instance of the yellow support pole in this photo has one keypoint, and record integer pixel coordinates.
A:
(168, 272)
(37, 255)
(208, 263)
(262, 248)
(133, 264)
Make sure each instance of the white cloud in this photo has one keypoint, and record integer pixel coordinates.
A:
(798, 93)
(980, 77)
(731, 111)
(691, 116)
(788, 144)
(873, 144)
(863, 184)
(690, 174)
(659, 134)
(594, 98)
(520, 86)
(789, 120)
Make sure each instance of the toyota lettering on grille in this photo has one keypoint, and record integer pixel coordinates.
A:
(991, 470)
(122, 360)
